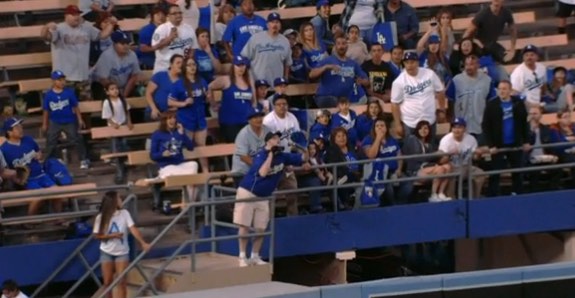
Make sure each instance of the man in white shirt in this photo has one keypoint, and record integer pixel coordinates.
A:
(281, 120)
(10, 290)
(413, 96)
(461, 148)
(173, 37)
(530, 77)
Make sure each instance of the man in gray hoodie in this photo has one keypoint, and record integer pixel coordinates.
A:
(473, 88)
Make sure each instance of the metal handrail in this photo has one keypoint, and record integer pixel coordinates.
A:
(185, 210)
(78, 250)
(22, 195)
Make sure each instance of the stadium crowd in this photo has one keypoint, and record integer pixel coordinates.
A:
(238, 69)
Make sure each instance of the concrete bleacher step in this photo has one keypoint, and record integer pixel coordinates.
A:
(213, 270)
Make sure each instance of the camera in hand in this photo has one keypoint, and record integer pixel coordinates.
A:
(277, 149)
(433, 24)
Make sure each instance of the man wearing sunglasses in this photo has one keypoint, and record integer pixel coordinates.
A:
(529, 79)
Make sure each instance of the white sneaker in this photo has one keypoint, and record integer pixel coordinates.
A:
(257, 261)
(85, 164)
(443, 197)
(243, 262)
(434, 198)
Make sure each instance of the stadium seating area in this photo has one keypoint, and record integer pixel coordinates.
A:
(26, 61)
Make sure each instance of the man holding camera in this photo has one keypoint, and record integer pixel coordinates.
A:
(261, 181)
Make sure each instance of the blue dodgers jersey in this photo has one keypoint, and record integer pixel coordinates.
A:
(205, 64)
(390, 149)
(240, 29)
(23, 155)
(236, 104)
(314, 56)
(338, 121)
(163, 89)
(60, 105)
(174, 142)
(145, 37)
(339, 83)
(320, 131)
(363, 126)
(188, 115)
(265, 186)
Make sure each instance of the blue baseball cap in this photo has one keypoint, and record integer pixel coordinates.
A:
(280, 81)
(120, 37)
(410, 56)
(260, 83)
(11, 123)
(241, 60)
(255, 113)
(274, 16)
(279, 96)
(434, 39)
(57, 74)
(321, 3)
(459, 121)
(530, 48)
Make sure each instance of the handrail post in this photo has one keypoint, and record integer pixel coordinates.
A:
(460, 180)
(272, 230)
(213, 219)
(192, 216)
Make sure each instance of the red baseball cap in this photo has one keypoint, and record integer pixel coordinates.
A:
(72, 9)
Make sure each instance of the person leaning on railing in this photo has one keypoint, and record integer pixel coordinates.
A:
(564, 132)
(340, 150)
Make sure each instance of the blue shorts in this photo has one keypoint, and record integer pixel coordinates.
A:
(106, 257)
(42, 181)
(197, 123)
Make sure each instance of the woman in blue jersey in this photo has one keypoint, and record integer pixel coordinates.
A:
(379, 144)
(188, 96)
(237, 99)
(207, 56)
(313, 49)
(364, 122)
(340, 150)
(160, 86)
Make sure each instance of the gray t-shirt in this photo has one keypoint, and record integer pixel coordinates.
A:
(71, 50)
(115, 68)
(247, 143)
(268, 56)
(471, 96)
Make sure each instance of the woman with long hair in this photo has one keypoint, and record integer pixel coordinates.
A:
(380, 144)
(168, 143)
(160, 86)
(432, 56)
(111, 227)
(237, 99)
(225, 14)
(466, 47)
(207, 56)
(313, 49)
(340, 150)
(188, 96)
(364, 122)
(420, 143)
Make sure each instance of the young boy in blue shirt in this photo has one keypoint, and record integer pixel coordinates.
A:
(345, 117)
(20, 150)
(321, 129)
(261, 180)
(61, 114)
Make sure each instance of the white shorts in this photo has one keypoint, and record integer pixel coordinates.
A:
(253, 214)
(185, 168)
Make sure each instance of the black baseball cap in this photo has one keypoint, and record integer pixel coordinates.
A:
(270, 135)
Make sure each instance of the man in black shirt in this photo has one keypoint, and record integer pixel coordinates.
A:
(379, 73)
(487, 26)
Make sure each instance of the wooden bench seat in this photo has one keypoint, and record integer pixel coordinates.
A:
(140, 129)
(143, 157)
(8, 7)
(95, 106)
(25, 60)
(77, 190)
(462, 23)
(45, 83)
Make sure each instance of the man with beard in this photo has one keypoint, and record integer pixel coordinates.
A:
(337, 75)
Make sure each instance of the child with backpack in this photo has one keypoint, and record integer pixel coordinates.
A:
(115, 110)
